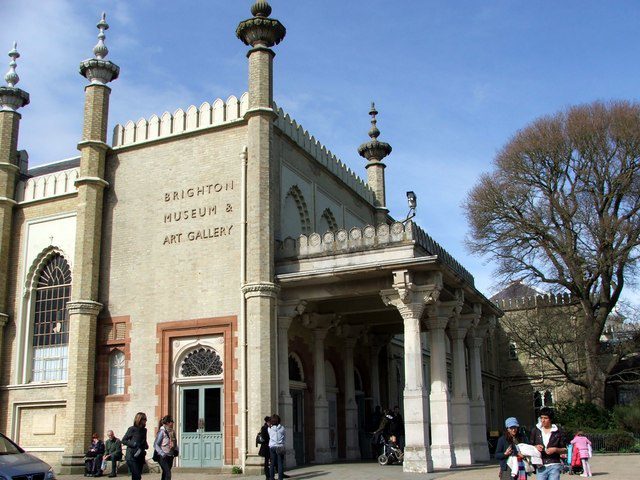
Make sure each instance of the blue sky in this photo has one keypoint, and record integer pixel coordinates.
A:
(452, 80)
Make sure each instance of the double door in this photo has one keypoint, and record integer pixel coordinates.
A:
(201, 426)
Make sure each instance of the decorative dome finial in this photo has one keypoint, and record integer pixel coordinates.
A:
(261, 9)
(101, 50)
(374, 150)
(12, 77)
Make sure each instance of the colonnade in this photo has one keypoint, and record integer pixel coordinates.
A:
(454, 418)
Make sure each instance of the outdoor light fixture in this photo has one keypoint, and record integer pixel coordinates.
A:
(413, 202)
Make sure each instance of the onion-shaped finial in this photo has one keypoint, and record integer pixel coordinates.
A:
(12, 77)
(261, 9)
(101, 50)
(374, 150)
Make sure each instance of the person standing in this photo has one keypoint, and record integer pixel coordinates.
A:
(550, 441)
(396, 426)
(264, 445)
(276, 447)
(583, 444)
(136, 441)
(113, 451)
(166, 446)
(507, 447)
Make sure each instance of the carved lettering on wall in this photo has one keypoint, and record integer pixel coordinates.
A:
(205, 209)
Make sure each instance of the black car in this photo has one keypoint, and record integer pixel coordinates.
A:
(16, 464)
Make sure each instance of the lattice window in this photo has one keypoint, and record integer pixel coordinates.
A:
(50, 338)
(116, 373)
(201, 362)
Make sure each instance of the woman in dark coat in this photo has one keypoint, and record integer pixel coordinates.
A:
(136, 441)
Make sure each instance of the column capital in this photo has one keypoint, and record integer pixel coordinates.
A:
(409, 298)
(261, 289)
(474, 341)
(84, 307)
(349, 333)
(320, 322)
(291, 308)
(439, 314)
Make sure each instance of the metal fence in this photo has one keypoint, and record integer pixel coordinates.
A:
(613, 442)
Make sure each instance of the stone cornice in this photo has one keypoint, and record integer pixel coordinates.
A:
(91, 180)
(93, 143)
(99, 72)
(260, 111)
(261, 289)
(10, 201)
(84, 307)
(9, 166)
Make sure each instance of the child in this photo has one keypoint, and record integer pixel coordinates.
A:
(583, 444)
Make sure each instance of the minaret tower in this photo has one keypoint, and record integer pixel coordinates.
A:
(84, 306)
(375, 151)
(11, 99)
(261, 33)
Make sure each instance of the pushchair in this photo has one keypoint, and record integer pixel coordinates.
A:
(571, 464)
(391, 452)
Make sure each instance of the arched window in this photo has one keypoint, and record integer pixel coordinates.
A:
(50, 339)
(116, 373)
(295, 369)
(201, 362)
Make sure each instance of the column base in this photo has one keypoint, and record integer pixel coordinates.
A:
(323, 455)
(72, 464)
(462, 454)
(480, 452)
(442, 456)
(417, 460)
(461, 430)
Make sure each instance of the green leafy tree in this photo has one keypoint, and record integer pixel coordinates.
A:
(561, 208)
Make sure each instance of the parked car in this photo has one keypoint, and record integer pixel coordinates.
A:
(16, 464)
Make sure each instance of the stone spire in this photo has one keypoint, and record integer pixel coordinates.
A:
(98, 70)
(261, 30)
(375, 151)
(11, 97)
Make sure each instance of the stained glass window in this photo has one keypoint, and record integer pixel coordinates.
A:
(50, 339)
(201, 362)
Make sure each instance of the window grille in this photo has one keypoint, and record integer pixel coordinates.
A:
(50, 340)
(201, 362)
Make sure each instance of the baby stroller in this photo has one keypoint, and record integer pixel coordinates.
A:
(391, 452)
(572, 462)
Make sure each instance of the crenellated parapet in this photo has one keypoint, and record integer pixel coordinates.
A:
(366, 238)
(194, 118)
(525, 303)
(321, 154)
(47, 186)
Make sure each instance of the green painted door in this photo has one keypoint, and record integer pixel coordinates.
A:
(201, 427)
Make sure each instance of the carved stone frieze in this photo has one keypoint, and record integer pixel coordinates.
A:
(411, 299)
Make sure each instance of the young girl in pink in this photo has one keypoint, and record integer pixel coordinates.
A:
(583, 444)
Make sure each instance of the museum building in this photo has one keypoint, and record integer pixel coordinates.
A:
(260, 276)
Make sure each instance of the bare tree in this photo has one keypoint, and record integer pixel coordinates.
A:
(561, 208)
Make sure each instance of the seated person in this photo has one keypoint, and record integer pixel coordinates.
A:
(113, 452)
(93, 457)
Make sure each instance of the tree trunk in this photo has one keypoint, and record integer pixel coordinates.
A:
(596, 377)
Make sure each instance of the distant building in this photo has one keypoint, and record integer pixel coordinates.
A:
(177, 271)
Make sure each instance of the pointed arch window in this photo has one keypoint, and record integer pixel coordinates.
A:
(116, 373)
(50, 337)
(201, 362)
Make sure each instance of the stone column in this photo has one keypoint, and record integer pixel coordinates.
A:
(410, 300)
(260, 32)
(287, 311)
(11, 99)
(350, 335)
(475, 341)
(320, 324)
(441, 430)
(375, 344)
(461, 421)
(84, 307)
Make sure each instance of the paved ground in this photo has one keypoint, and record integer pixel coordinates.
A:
(611, 467)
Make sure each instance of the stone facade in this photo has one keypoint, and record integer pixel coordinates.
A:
(200, 289)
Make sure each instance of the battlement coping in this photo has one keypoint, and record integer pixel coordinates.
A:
(366, 238)
(548, 300)
(48, 185)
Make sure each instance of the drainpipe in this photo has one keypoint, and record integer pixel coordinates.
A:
(243, 309)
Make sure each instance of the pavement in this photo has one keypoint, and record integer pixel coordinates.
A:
(611, 467)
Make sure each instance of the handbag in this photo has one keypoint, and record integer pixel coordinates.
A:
(260, 440)
(155, 457)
